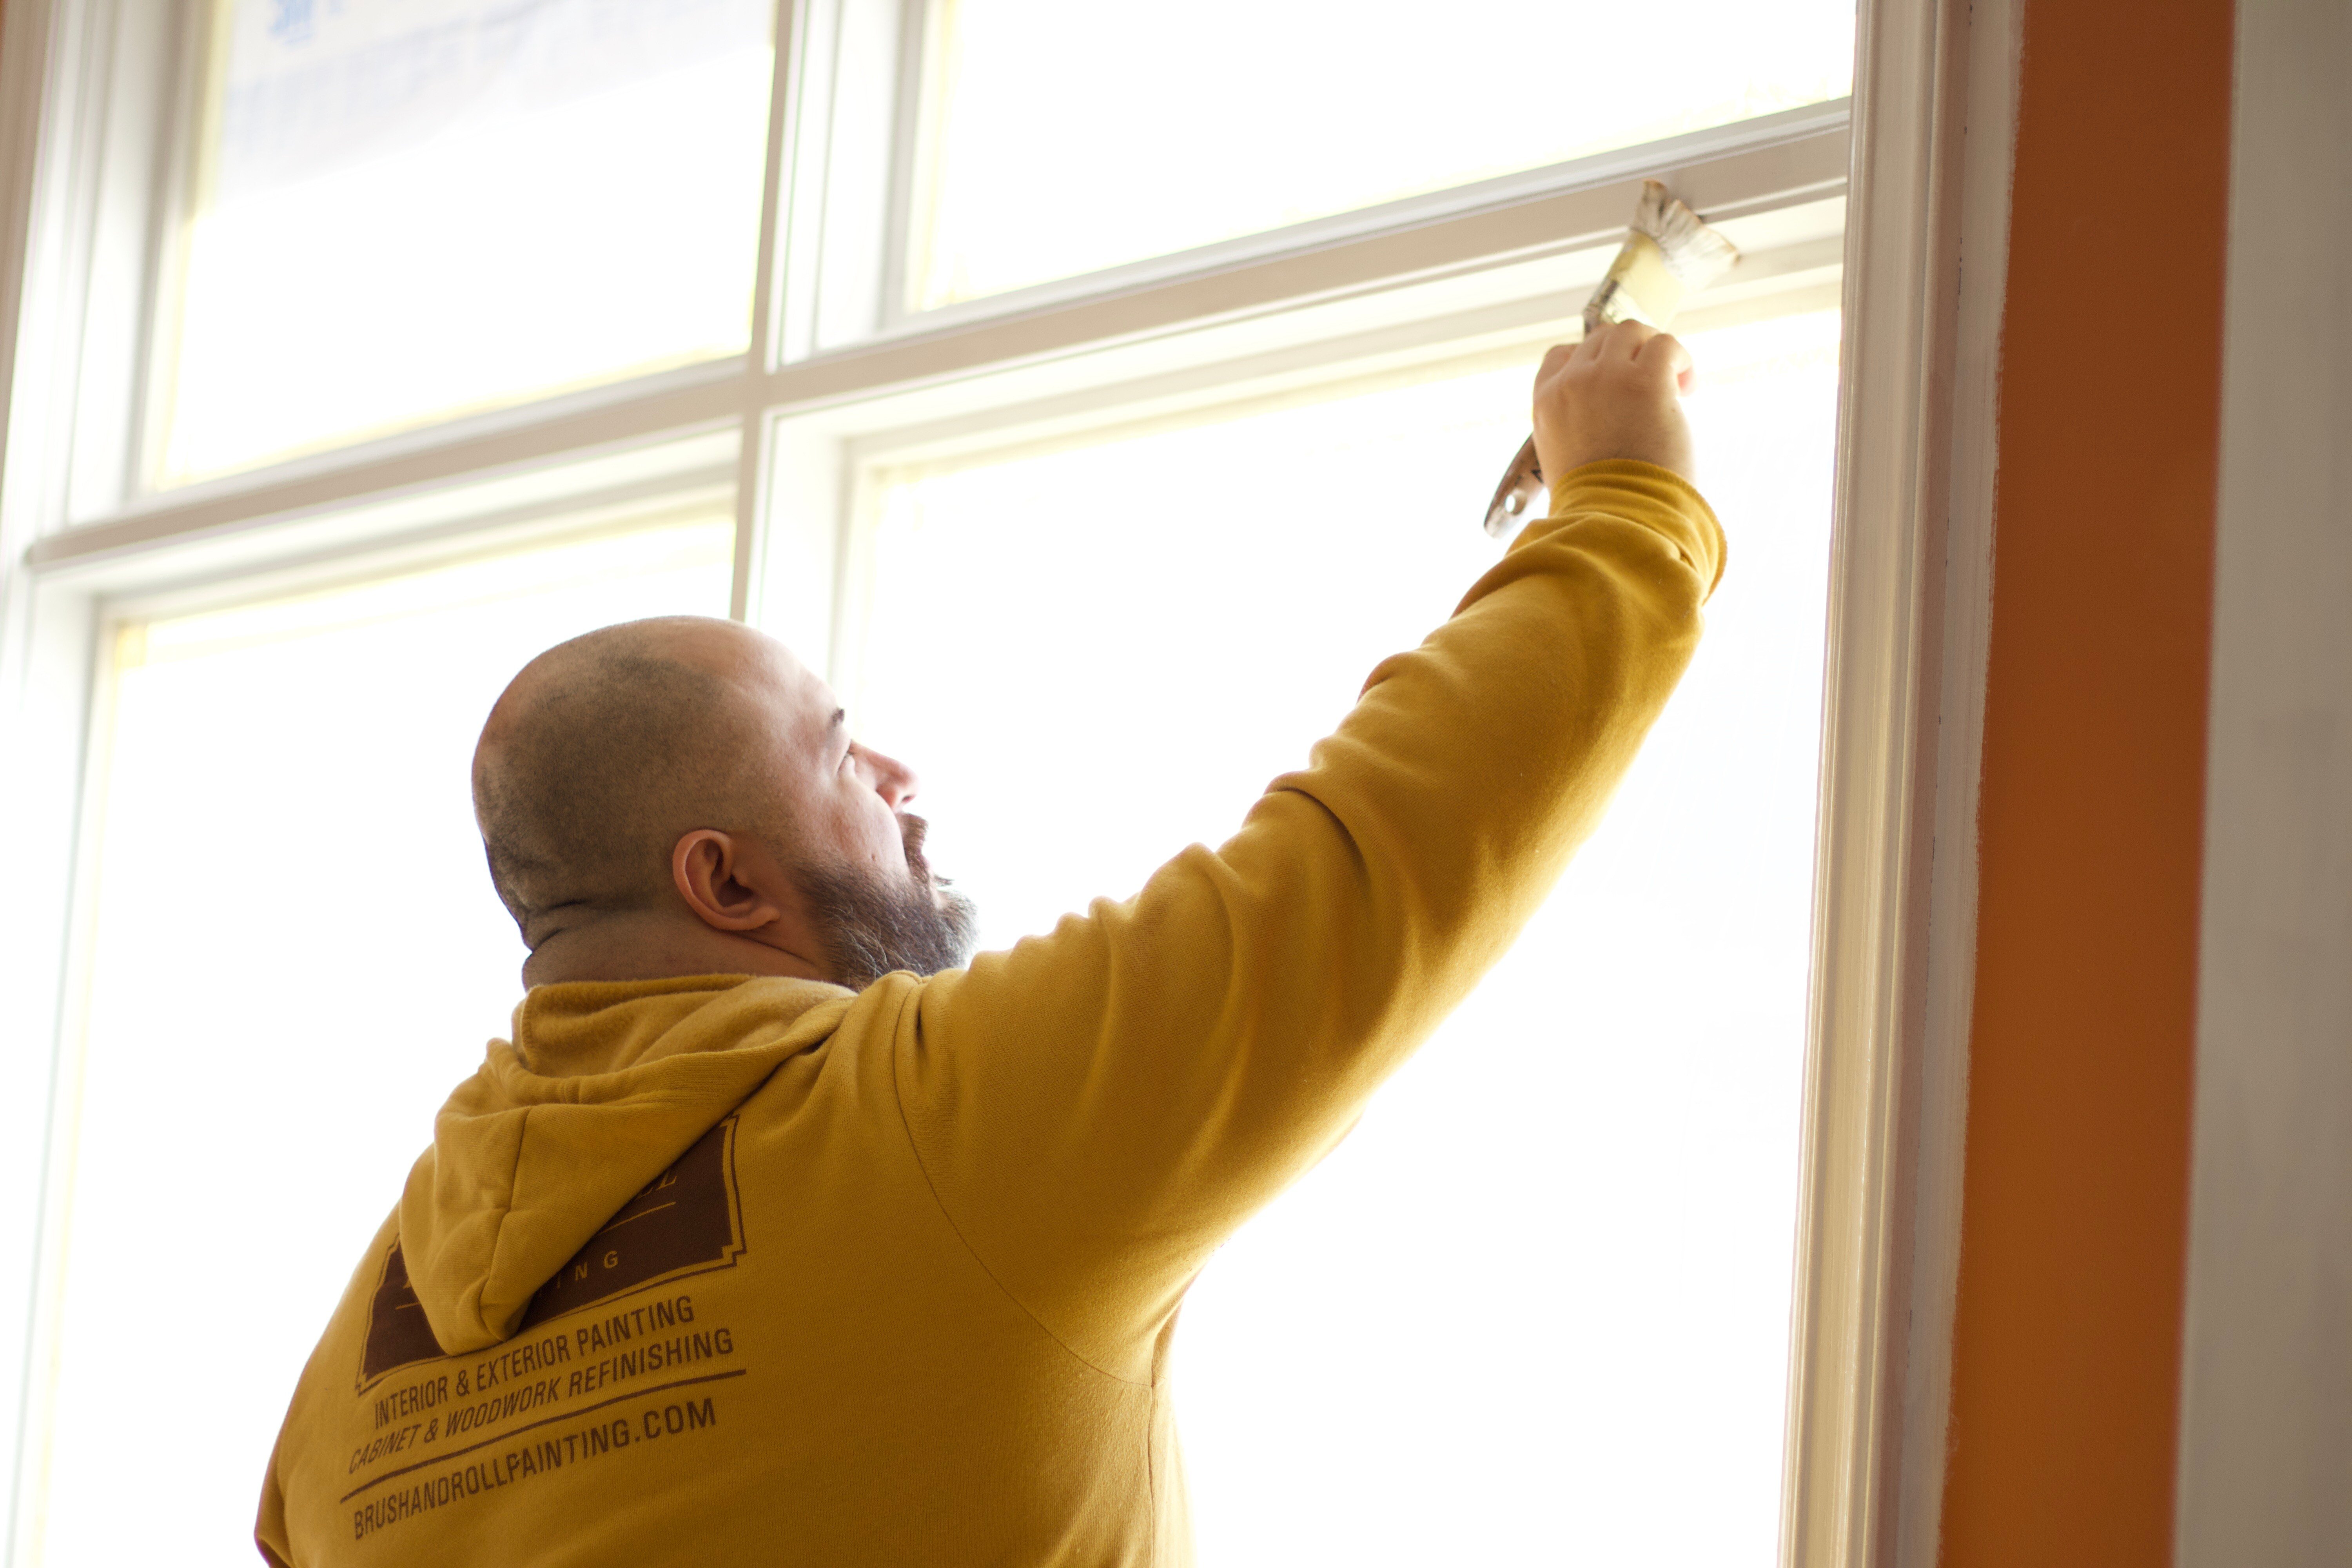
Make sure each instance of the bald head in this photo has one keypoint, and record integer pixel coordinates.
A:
(608, 747)
(682, 796)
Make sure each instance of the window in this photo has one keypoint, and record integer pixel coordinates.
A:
(400, 212)
(1252, 117)
(356, 331)
(1577, 1200)
(293, 945)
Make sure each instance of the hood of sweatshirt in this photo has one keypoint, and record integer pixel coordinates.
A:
(602, 1088)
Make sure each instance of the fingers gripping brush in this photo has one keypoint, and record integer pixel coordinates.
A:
(1668, 254)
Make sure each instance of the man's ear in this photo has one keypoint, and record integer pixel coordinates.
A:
(707, 869)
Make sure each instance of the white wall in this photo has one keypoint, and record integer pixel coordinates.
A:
(2265, 1476)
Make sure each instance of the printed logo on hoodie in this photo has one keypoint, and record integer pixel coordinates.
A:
(688, 1220)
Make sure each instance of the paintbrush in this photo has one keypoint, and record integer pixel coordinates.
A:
(1667, 255)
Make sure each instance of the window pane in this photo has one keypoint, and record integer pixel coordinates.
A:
(1536, 1309)
(297, 955)
(410, 208)
(1067, 135)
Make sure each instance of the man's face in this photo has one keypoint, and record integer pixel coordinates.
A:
(857, 850)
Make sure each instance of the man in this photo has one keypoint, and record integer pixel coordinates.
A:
(775, 1235)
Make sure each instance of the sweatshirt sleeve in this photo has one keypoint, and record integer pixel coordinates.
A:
(1098, 1109)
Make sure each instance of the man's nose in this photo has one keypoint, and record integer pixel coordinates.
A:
(894, 781)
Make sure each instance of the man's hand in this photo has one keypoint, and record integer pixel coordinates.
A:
(1618, 393)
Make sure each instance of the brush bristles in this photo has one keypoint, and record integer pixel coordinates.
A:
(1695, 253)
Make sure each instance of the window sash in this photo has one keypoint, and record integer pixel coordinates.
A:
(1471, 261)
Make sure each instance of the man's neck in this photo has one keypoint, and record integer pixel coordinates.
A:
(657, 946)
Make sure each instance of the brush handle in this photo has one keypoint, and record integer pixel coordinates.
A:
(1522, 483)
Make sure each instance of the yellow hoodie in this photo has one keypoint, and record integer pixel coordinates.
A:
(717, 1270)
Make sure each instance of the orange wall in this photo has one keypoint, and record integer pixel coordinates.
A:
(2067, 1349)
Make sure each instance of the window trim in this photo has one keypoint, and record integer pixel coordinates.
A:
(1895, 910)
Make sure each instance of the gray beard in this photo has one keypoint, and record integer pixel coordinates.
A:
(870, 928)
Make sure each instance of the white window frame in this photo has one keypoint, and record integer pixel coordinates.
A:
(842, 380)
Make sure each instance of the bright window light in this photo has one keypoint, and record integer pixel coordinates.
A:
(1537, 1308)
(296, 956)
(408, 209)
(1061, 136)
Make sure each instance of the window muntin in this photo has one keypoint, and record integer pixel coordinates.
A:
(297, 954)
(1045, 154)
(404, 211)
(1580, 1197)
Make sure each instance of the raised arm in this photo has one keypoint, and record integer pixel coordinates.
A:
(1098, 1108)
